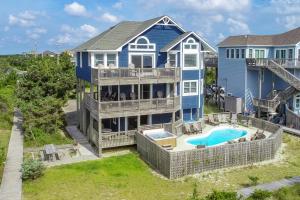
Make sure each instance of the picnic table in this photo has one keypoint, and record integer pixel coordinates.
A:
(50, 152)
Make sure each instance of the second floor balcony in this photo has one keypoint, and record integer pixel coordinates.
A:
(111, 109)
(263, 62)
(122, 75)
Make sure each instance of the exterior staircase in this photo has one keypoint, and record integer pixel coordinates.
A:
(270, 105)
(278, 68)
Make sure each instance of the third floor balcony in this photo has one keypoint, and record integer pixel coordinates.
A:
(122, 75)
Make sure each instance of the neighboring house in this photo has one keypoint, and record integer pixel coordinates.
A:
(49, 53)
(141, 73)
(262, 69)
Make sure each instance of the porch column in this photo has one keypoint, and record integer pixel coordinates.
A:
(99, 118)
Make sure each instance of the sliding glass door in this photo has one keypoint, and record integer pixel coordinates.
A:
(142, 60)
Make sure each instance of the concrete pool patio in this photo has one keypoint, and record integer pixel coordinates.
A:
(183, 145)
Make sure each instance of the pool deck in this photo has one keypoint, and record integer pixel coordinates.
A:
(181, 140)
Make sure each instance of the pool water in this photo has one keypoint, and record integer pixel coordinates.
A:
(218, 136)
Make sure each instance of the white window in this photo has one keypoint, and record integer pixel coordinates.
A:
(190, 88)
(227, 53)
(260, 53)
(250, 53)
(190, 60)
(142, 44)
(111, 59)
(172, 59)
(99, 59)
(191, 44)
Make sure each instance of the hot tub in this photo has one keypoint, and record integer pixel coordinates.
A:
(161, 137)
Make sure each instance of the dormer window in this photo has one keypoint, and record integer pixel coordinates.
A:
(142, 44)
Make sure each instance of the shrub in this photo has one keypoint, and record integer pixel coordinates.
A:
(222, 195)
(254, 180)
(259, 195)
(2, 155)
(195, 194)
(32, 169)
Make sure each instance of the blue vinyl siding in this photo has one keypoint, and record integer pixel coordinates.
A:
(190, 102)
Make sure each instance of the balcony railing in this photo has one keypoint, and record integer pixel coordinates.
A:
(116, 139)
(211, 62)
(269, 105)
(117, 75)
(263, 62)
(118, 108)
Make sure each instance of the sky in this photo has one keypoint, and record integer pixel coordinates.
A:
(57, 25)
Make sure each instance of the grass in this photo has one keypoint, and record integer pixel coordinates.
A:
(6, 117)
(287, 193)
(128, 177)
(210, 108)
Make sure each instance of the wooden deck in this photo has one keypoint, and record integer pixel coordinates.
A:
(126, 76)
(112, 109)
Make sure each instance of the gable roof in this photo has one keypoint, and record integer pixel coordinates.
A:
(183, 36)
(291, 37)
(118, 35)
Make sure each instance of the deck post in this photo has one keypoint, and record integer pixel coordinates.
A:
(77, 101)
(99, 117)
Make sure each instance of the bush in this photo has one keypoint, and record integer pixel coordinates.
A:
(259, 195)
(195, 194)
(32, 169)
(254, 180)
(222, 195)
(2, 155)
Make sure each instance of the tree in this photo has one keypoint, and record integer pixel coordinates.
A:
(254, 180)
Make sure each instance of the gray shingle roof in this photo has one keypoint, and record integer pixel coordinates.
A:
(117, 35)
(291, 37)
(175, 41)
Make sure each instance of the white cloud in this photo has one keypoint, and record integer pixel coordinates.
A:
(217, 18)
(237, 26)
(25, 19)
(288, 11)
(107, 17)
(205, 5)
(36, 33)
(221, 37)
(118, 5)
(71, 36)
(75, 9)
(89, 30)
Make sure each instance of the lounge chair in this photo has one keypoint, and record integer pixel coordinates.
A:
(197, 128)
(233, 119)
(222, 119)
(212, 121)
(122, 96)
(187, 129)
(242, 140)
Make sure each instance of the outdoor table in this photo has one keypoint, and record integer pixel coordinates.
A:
(50, 151)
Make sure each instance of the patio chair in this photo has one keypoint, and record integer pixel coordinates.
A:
(122, 96)
(187, 129)
(233, 120)
(212, 121)
(197, 128)
(222, 119)
(132, 96)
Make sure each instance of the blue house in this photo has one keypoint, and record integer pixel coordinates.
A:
(263, 70)
(138, 74)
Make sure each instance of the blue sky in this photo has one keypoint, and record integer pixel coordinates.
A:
(62, 24)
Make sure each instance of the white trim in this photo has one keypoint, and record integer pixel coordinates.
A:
(140, 53)
(295, 109)
(89, 59)
(190, 93)
(197, 36)
(201, 86)
(92, 60)
(103, 51)
(80, 55)
(135, 43)
(149, 28)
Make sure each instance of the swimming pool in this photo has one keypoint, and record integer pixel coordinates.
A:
(217, 136)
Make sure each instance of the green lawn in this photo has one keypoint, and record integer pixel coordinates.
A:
(6, 117)
(128, 177)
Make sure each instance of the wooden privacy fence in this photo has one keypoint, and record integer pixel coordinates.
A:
(175, 164)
